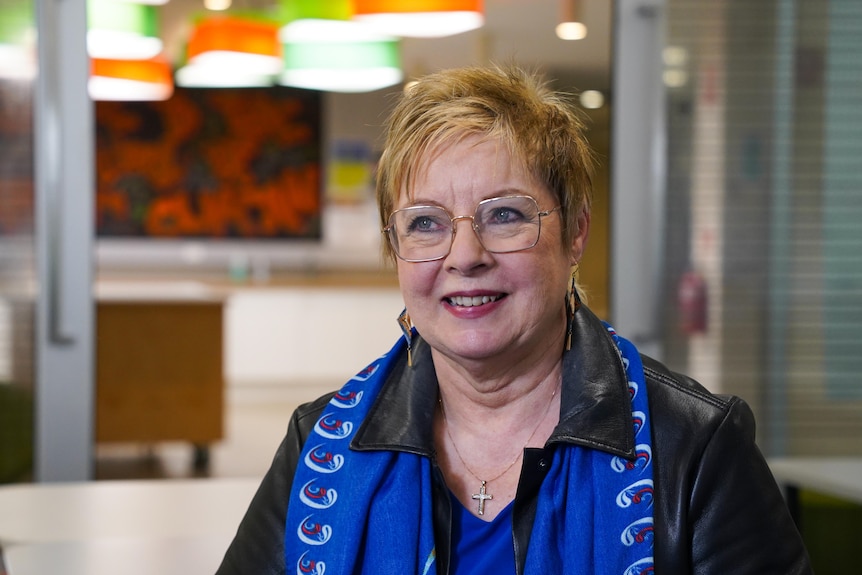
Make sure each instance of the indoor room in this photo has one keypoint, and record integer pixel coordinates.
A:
(191, 245)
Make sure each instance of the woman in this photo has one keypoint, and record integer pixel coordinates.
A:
(510, 431)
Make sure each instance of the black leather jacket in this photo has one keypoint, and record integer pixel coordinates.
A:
(717, 507)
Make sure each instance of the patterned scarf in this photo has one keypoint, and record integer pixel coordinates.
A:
(371, 512)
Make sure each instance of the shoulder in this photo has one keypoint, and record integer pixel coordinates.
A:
(693, 428)
(718, 508)
(680, 401)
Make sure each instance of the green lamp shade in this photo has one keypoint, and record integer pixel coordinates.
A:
(17, 42)
(290, 10)
(16, 24)
(122, 30)
(338, 56)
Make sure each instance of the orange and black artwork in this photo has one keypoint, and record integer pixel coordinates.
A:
(210, 163)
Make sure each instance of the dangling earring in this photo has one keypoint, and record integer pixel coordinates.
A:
(573, 303)
(407, 329)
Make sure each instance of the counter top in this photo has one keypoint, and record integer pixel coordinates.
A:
(204, 287)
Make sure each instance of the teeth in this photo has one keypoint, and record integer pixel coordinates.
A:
(473, 301)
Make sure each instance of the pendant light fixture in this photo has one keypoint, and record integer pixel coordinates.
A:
(125, 52)
(324, 50)
(228, 51)
(338, 56)
(571, 26)
(420, 18)
(130, 80)
(122, 30)
(17, 43)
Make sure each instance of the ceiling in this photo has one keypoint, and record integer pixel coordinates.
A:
(519, 31)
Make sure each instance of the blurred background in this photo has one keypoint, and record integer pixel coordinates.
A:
(186, 256)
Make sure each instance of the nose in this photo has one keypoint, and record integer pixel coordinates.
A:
(472, 222)
(467, 250)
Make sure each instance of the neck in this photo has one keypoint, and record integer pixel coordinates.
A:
(480, 443)
(492, 392)
(500, 409)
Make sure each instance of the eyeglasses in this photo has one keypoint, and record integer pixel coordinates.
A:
(503, 225)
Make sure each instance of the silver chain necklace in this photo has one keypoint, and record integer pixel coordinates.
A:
(483, 495)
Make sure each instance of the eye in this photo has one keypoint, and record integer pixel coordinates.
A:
(427, 221)
(503, 214)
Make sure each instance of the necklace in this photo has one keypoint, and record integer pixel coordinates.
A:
(483, 495)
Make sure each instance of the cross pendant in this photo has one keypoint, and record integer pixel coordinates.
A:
(481, 497)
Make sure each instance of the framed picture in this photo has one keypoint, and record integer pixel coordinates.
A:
(232, 164)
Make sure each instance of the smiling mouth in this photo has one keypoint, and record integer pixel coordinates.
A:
(466, 301)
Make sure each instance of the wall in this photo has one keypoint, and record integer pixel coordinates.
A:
(305, 339)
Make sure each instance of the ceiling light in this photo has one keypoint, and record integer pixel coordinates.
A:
(675, 56)
(338, 56)
(207, 76)
(290, 10)
(571, 26)
(17, 62)
(674, 78)
(122, 30)
(130, 80)
(592, 99)
(217, 5)
(571, 31)
(17, 43)
(230, 51)
(420, 18)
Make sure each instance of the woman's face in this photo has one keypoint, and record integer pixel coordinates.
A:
(473, 305)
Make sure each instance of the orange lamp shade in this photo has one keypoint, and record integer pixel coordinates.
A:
(420, 18)
(234, 35)
(155, 70)
(130, 80)
(395, 6)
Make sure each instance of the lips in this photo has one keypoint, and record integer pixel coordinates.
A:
(472, 301)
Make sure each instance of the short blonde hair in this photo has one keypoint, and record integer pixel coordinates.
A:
(508, 104)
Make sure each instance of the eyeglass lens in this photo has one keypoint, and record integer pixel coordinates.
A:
(424, 233)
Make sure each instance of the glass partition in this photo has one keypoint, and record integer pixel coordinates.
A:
(17, 244)
(763, 246)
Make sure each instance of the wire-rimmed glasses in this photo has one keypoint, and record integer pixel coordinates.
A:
(503, 225)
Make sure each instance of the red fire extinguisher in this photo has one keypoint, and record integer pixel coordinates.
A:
(692, 301)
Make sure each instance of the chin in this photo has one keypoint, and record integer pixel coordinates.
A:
(473, 347)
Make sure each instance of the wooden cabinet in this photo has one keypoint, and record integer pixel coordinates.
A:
(159, 373)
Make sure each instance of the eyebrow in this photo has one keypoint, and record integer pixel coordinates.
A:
(508, 192)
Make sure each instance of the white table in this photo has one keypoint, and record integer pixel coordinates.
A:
(839, 477)
(169, 527)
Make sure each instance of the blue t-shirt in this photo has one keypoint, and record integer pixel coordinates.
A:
(480, 547)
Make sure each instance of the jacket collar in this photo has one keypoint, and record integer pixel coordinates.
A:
(595, 406)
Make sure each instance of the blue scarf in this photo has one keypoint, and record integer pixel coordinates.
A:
(370, 512)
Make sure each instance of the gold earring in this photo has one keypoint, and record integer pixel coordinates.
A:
(573, 303)
(407, 329)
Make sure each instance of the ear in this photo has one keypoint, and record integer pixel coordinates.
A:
(579, 240)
